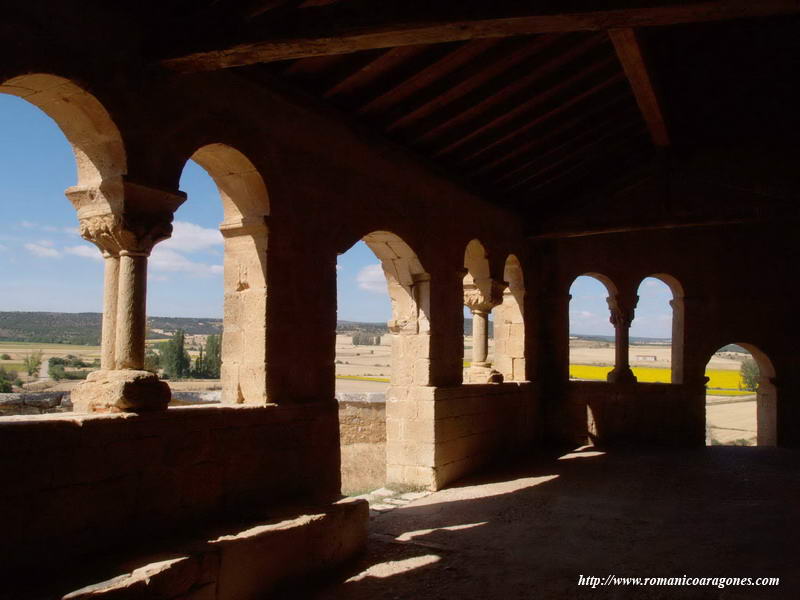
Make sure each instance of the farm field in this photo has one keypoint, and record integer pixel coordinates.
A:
(722, 381)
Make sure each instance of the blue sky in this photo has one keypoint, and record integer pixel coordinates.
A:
(46, 266)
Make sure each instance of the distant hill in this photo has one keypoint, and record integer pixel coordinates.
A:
(84, 328)
(641, 341)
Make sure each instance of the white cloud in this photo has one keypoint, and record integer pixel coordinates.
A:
(168, 260)
(3, 248)
(84, 251)
(28, 224)
(42, 251)
(582, 314)
(372, 279)
(188, 237)
(45, 243)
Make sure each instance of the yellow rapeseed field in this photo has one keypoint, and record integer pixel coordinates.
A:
(725, 381)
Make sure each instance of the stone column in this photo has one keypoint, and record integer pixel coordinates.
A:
(481, 296)
(622, 313)
(126, 239)
(131, 326)
(110, 287)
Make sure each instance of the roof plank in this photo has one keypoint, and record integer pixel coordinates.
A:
(321, 31)
(629, 52)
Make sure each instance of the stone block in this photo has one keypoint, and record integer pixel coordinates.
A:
(124, 390)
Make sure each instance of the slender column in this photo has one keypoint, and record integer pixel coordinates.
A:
(622, 313)
(481, 296)
(131, 310)
(110, 291)
(480, 337)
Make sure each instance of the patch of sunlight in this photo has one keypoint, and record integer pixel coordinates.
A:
(391, 568)
(410, 535)
(581, 454)
(496, 489)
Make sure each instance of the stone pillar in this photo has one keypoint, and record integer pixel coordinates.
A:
(244, 343)
(481, 296)
(622, 313)
(110, 287)
(131, 324)
(126, 240)
(766, 412)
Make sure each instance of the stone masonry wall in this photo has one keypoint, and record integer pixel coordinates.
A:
(437, 435)
(642, 412)
(362, 431)
(81, 484)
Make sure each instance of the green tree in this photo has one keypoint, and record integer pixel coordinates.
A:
(208, 363)
(5, 357)
(175, 360)
(152, 361)
(750, 374)
(7, 379)
(56, 371)
(213, 356)
(33, 362)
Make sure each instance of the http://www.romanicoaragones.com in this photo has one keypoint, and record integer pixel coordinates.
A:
(594, 581)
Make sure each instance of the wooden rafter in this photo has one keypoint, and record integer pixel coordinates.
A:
(629, 52)
(322, 31)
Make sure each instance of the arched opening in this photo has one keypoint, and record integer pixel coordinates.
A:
(509, 324)
(51, 130)
(216, 313)
(741, 398)
(656, 334)
(378, 364)
(481, 295)
(95, 139)
(591, 334)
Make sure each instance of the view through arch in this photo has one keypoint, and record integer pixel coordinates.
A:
(382, 331)
(651, 333)
(591, 334)
(52, 291)
(741, 398)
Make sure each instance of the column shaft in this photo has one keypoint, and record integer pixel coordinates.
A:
(131, 311)
(110, 292)
(480, 337)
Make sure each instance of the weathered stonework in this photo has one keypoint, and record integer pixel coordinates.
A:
(120, 390)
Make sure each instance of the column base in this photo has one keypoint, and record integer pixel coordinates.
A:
(479, 373)
(621, 376)
(121, 391)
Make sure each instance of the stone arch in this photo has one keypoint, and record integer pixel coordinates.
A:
(611, 297)
(509, 324)
(409, 292)
(678, 320)
(96, 141)
(409, 287)
(481, 295)
(766, 396)
(245, 204)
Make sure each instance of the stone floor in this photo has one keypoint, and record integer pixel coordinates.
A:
(531, 530)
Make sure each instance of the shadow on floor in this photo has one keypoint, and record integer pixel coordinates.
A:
(530, 530)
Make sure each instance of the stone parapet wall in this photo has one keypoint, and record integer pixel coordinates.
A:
(78, 484)
(362, 431)
(436, 435)
(649, 413)
(34, 403)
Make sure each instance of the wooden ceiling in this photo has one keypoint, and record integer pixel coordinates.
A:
(529, 103)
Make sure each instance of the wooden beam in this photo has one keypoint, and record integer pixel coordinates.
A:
(331, 30)
(629, 52)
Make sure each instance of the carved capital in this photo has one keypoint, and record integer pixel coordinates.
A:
(483, 295)
(135, 223)
(134, 234)
(622, 311)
